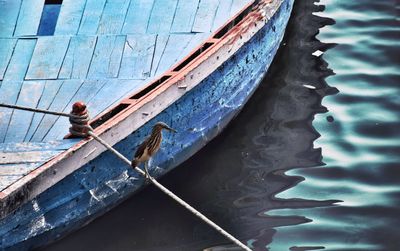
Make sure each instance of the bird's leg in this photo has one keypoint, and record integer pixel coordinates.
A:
(146, 170)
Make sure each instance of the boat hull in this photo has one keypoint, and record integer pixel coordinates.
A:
(105, 182)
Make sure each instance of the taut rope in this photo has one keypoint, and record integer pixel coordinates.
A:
(79, 119)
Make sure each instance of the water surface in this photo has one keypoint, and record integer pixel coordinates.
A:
(312, 161)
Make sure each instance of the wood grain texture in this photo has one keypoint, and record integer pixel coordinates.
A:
(205, 15)
(47, 57)
(78, 57)
(137, 57)
(9, 92)
(113, 17)
(6, 50)
(29, 96)
(70, 17)
(237, 5)
(29, 18)
(137, 17)
(85, 93)
(9, 15)
(20, 59)
(184, 16)
(222, 14)
(91, 17)
(51, 89)
(107, 57)
(162, 16)
(60, 102)
(161, 43)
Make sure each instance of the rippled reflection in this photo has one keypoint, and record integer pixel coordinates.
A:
(277, 177)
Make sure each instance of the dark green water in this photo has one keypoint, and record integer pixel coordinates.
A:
(302, 167)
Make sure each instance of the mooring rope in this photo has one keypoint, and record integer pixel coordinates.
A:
(81, 123)
(38, 110)
(172, 195)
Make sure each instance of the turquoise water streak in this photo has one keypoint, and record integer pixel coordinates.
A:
(264, 178)
(361, 147)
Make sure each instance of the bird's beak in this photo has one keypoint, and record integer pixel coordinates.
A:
(171, 129)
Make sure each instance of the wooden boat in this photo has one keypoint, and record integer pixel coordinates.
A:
(190, 63)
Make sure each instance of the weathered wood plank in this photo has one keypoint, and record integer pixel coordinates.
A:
(29, 96)
(91, 17)
(113, 91)
(7, 180)
(8, 94)
(62, 99)
(137, 57)
(70, 17)
(223, 14)
(29, 18)
(6, 51)
(113, 17)
(48, 20)
(162, 16)
(237, 5)
(58, 145)
(9, 15)
(184, 17)
(15, 170)
(205, 15)
(25, 157)
(161, 43)
(85, 93)
(47, 57)
(20, 59)
(107, 57)
(51, 88)
(138, 16)
(176, 43)
(77, 60)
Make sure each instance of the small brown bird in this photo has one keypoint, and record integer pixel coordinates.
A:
(150, 146)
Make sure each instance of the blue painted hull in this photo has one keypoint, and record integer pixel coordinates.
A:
(105, 182)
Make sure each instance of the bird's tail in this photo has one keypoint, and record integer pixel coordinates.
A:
(134, 163)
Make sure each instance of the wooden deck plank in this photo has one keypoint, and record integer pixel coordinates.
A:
(9, 16)
(58, 145)
(6, 50)
(29, 96)
(91, 17)
(70, 17)
(20, 59)
(161, 43)
(47, 57)
(85, 93)
(107, 57)
(29, 18)
(171, 52)
(51, 88)
(25, 157)
(185, 15)
(110, 93)
(222, 15)
(205, 15)
(62, 99)
(77, 60)
(137, 17)
(137, 57)
(113, 17)
(8, 94)
(162, 16)
(237, 5)
(6, 180)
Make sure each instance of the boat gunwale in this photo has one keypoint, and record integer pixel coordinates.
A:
(234, 38)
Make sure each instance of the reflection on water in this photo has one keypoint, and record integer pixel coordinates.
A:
(264, 179)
